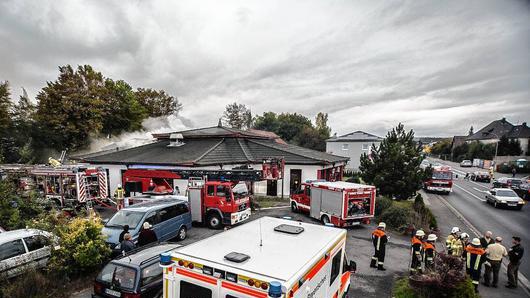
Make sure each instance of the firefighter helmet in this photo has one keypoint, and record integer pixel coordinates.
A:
(475, 242)
(382, 225)
(432, 237)
(464, 236)
(455, 230)
(420, 233)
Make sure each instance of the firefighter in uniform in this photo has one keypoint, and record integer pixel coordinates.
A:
(379, 239)
(458, 246)
(430, 251)
(474, 259)
(416, 251)
(119, 195)
(455, 231)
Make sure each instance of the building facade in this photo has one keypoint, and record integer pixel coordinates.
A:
(352, 146)
(222, 148)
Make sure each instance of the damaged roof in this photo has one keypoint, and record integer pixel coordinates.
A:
(214, 146)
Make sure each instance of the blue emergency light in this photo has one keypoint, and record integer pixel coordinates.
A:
(165, 259)
(275, 289)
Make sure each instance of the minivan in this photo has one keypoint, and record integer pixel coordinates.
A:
(169, 218)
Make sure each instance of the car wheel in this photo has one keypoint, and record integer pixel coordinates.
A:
(214, 221)
(325, 219)
(519, 208)
(294, 208)
(183, 232)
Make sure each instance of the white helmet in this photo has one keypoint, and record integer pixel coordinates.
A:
(432, 237)
(420, 233)
(382, 225)
(455, 230)
(475, 242)
(464, 235)
(119, 185)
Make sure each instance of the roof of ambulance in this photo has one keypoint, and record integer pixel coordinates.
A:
(341, 184)
(281, 256)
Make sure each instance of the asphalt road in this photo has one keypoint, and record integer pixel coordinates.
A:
(468, 198)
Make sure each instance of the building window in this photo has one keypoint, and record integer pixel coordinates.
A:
(345, 146)
(365, 146)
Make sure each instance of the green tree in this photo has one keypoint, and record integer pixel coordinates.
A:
(504, 147)
(121, 110)
(442, 147)
(322, 127)
(157, 102)
(515, 147)
(70, 109)
(24, 129)
(393, 167)
(291, 125)
(15, 211)
(268, 122)
(6, 142)
(237, 116)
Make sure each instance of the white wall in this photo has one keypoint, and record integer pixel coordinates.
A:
(114, 176)
(353, 151)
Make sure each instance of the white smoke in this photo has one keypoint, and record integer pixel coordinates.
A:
(151, 125)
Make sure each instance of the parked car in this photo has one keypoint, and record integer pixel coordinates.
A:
(506, 182)
(425, 164)
(504, 197)
(135, 275)
(466, 163)
(169, 218)
(24, 249)
(523, 190)
(480, 176)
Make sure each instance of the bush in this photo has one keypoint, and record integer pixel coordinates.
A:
(402, 289)
(31, 284)
(396, 216)
(381, 204)
(15, 211)
(82, 247)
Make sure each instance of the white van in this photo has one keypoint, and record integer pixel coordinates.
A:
(268, 257)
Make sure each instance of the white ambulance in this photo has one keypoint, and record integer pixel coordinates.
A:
(268, 257)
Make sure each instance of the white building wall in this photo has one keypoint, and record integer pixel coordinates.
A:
(115, 176)
(353, 150)
(524, 145)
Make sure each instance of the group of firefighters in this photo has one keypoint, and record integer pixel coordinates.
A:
(487, 251)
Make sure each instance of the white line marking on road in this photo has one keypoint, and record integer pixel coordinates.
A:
(480, 190)
(473, 195)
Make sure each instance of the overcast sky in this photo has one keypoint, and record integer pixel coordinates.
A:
(437, 66)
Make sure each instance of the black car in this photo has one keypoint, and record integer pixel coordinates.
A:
(135, 275)
(506, 182)
(480, 176)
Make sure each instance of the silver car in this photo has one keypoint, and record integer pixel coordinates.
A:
(23, 249)
(504, 197)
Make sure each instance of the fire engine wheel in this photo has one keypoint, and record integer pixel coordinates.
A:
(294, 208)
(182, 234)
(325, 219)
(214, 221)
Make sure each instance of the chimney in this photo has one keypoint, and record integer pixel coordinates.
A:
(524, 124)
(175, 140)
(220, 124)
(503, 119)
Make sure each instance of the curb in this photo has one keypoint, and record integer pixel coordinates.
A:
(277, 207)
(522, 279)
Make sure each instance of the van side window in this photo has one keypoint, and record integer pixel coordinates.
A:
(182, 209)
(150, 274)
(335, 267)
(210, 190)
(152, 218)
(35, 242)
(11, 249)
(168, 213)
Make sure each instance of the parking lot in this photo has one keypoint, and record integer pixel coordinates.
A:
(367, 282)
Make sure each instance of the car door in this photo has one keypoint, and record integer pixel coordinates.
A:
(153, 218)
(39, 250)
(183, 215)
(13, 258)
(168, 222)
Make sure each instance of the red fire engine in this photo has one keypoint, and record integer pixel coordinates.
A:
(217, 197)
(339, 203)
(441, 180)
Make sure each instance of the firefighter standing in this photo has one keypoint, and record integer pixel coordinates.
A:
(460, 244)
(451, 238)
(379, 239)
(119, 195)
(430, 251)
(416, 251)
(474, 259)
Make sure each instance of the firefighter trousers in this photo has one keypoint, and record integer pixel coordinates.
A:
(415, 264)
(475, 276)
(378, 260)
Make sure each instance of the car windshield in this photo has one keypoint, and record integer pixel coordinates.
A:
(240, 190)
(120, 276)
(125, 217)
(442, 175)
(506, 193)
(515, 181)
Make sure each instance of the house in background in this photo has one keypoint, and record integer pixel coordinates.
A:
(491, 133)
(218, 147)
(352, 145)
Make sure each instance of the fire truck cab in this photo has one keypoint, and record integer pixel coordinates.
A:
(263, 258)
(214, 202)
(339, 203)
(441, 180)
